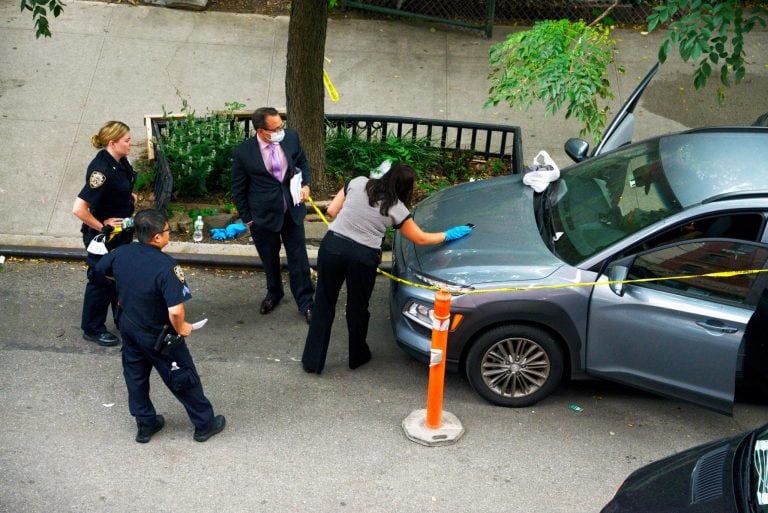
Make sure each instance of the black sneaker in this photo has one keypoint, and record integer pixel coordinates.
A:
(146, 432)
(104, 339)
(214, 427)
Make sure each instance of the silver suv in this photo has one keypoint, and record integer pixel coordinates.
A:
(604, 273)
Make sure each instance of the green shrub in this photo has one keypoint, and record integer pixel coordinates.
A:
(349, 154)
(199, 150)
(145, 174)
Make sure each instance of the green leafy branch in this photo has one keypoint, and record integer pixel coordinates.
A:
(40, 10)
(560, 63)
(712, 33)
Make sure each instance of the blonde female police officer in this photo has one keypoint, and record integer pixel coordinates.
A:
(104, 201)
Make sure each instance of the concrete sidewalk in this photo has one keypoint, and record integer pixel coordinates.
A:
(112, 61)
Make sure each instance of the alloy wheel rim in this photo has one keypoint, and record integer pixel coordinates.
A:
(515, 367)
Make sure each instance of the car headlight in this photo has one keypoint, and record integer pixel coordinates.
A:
(419, 313)
(423, 315)
(454, 288)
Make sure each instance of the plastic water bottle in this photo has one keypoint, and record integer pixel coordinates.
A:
(127, 223)
(197, 235)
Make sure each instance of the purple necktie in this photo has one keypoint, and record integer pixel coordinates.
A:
(275, 164)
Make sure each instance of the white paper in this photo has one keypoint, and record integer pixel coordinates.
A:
(199, 324)
(295, 187)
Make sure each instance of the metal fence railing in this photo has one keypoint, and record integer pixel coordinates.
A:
(484, 140)
(483, 14)
(476, 14)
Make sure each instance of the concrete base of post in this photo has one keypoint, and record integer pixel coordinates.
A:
(448, 433)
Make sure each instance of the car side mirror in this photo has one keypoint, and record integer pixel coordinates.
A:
(576, 149)
(616, 275)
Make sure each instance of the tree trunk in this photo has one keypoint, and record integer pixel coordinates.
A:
(304, 85)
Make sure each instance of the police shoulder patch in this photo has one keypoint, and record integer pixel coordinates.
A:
(96, 179)
(179, 273)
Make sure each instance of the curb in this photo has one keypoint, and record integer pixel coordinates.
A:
(195, 259)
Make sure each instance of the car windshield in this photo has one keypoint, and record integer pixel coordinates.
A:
(607, 198)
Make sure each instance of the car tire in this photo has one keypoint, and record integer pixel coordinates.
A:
(514, 366)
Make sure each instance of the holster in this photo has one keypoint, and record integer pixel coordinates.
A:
(167, 339)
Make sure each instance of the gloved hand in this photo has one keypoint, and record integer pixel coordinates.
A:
(233, 230)
(457, 232)
(218, 234)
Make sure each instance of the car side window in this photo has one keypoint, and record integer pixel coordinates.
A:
(747, 227)
(681, 269)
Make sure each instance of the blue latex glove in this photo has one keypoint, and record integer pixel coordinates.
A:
(457, 232)
(218, 234)
(235, 229)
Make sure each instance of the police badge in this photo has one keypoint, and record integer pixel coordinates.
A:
(96, 179)
(179, 273)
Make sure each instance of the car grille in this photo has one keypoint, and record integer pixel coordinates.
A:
(707, 478)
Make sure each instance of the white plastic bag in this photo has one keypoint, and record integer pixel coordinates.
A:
(381, 170)
(98, 245)
(541, 172)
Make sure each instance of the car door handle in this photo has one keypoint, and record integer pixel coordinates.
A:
(716, 326)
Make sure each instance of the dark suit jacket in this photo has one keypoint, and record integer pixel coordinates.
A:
(257, 194)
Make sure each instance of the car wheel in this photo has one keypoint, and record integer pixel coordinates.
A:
(514, 365)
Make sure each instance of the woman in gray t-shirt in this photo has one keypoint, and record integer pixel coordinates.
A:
(351, 252)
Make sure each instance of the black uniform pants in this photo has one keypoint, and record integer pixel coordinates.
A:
(139, 357)
(299, 275)
(100, 293)
(340, 259)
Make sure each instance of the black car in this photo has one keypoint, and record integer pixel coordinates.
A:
(728, 475)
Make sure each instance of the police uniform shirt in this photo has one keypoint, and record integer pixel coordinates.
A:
(148, 283)
(108, 187)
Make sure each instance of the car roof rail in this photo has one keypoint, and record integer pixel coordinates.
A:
(736, 195)
(727, 128)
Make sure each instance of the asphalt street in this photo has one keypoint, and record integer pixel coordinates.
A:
(298, 442)
(293, 442)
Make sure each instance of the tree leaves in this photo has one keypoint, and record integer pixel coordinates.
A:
(712, 30)
(560, 63)
(40, 10)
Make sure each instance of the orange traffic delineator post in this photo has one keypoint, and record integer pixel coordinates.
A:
(441, 319)
(434, 426)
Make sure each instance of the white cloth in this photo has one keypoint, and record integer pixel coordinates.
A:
(542, 172)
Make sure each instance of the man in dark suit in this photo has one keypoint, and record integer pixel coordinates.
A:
(262, 168)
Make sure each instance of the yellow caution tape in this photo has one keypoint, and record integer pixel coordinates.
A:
(721, 274)
(312, 202)
(329, 87)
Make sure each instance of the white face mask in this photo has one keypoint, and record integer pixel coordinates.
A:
(276, 137)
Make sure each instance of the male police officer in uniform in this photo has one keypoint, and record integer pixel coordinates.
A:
(152, 292)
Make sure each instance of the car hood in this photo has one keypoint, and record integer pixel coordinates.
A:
(696, 480)
(504, 246)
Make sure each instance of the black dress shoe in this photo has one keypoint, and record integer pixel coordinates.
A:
(268, 305)
(214, 427)
(308, 315)
(105, 339)
(145, 432)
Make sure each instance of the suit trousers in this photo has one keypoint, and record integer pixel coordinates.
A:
(182, 379)
(341, 260)
(299, 275)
